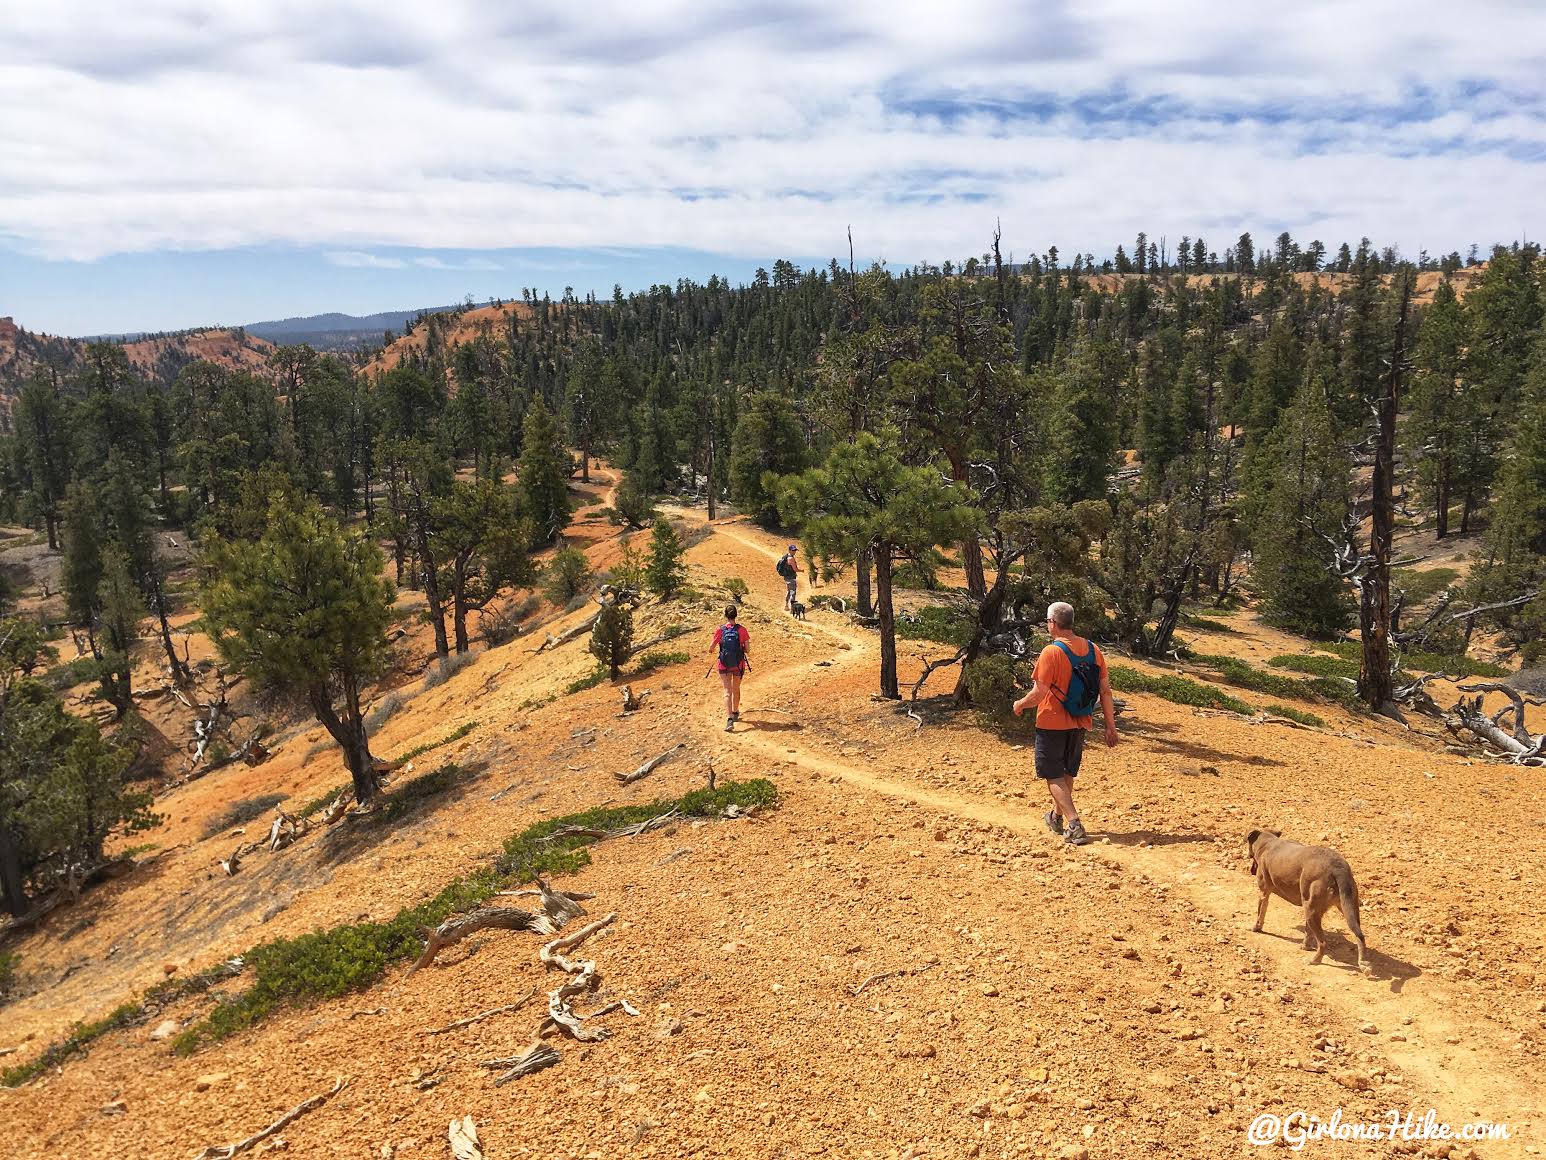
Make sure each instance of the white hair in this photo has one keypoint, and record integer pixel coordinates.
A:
(1061, 613)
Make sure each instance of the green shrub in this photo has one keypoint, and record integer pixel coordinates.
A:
(318, 803)
(404, 797)
(567, 575)
(1317, 665)
(80, 1037)
(1298, 715)
(737, 588)
(938, 623)
(328, 963)
(239, 813)
(993, 683)
(589, 681)
(1180, 690)
(657, 659)
(1422, 585)
(419, 750)
(71, 673)
(1207, 625)
(1245, 676)
(8, 961)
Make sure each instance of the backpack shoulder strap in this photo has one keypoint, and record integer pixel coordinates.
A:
(1067, 652)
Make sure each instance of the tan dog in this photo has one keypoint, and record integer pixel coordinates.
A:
(1315, 877)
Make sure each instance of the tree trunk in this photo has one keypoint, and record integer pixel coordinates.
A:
(988, 613)
(1441, 508)
(866, 602)
(1465, 513)
(1376, 685)
(349, 732)
(459, 603)
(971, 549)
(11, 886)
(437, 607)
(888, 685)
(585, 453)
(51, 522)
(180, 674)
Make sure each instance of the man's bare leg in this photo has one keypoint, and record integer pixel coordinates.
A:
(1062, 791)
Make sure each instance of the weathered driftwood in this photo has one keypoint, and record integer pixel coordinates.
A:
(633, 702)
(464, 1140)
(286, 829)
(649, 766)
(568, 634)
(482, 1015)
(1517, 743)
(226, 1151)
(583, 977)
(336, 808)
(232, 864)
(453, 930)
(560, 905)
(896, 974)
(632, 831)
(533, 1059)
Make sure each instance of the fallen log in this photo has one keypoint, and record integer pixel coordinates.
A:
(453, 930)
(649, 766)
(478, 1018)
(533, 1059)
(1519, 745)
(226, 1151)
(632, 702)
(568, 634)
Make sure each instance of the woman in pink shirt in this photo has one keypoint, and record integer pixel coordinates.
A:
(732, 652)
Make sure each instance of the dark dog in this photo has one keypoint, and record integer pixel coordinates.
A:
(1315, 877)
(798, 609)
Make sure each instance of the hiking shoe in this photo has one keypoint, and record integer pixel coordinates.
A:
(729, 724)
(1054, 822)
(736, 716)
(1076, 835)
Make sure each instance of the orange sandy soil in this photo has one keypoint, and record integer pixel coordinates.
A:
(1110, 999)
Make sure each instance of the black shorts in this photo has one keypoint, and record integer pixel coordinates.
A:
(1058, 753)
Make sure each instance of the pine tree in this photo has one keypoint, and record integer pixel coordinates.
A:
(480, 540)
(304, 610)
(666, 572)
(121, 611)
(864, 498)
(611, 637)
(1300, 491)
(768, 442)
(1448, 429)
(542, 474)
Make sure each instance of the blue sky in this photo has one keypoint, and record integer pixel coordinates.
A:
(172, 166)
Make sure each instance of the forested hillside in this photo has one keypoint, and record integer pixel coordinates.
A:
(244, 590)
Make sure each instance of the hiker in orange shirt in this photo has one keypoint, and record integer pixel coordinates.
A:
(1069, 679)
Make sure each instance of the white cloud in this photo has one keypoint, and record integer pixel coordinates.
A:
(358, 259)
(763, 130)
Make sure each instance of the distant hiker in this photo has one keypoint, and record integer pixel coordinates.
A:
(789, 569)
(1069, 680)
(732, 652)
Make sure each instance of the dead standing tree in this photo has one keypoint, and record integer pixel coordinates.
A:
(1369, 570)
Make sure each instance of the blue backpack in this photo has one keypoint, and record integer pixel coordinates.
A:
(730, 655)
(1084, 685)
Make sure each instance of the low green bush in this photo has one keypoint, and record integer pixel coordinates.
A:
(8, 961)
(938, 623)
(1298, 715)
(657, 659)
(1180, 690)
(1317, 665)
(325, 964)
(419, 750)
(1245, 676)
(589, 681)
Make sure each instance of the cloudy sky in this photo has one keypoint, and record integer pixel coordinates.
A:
(166, 164)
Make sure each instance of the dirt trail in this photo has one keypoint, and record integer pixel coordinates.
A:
(1451, 1059)
(1110, 998)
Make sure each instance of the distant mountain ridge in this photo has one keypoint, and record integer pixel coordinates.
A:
(335, 331)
